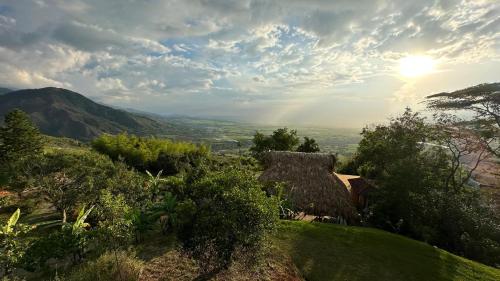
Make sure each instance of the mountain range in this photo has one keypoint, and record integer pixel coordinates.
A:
(61, 112)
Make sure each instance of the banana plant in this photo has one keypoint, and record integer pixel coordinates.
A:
(154, 183)
(11, 246)
(9, 227)
(165, 212)
(76, 234)
(80, 223)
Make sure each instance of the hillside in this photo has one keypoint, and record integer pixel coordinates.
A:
(60, 112)
(333, 252)
(325, 252)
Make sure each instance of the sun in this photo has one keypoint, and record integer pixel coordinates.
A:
(413, 66)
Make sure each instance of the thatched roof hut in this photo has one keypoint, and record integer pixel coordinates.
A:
(311, 186)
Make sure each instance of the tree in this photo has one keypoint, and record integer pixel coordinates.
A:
(281, 140)
(462, 144)
(230, 216)
(20, 141)
(309, 145)
(484, 101)
(422, 186)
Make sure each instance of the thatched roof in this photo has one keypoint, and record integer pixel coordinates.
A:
(311, 186)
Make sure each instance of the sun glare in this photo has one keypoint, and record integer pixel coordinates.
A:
(413, 66)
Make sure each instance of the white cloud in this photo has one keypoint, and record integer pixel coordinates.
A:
(213, 53)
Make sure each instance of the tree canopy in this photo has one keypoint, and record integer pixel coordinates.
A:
(281, 140)
(422, 187)
(309, 145)
(19, 138)
(20, 141)
(483, 100)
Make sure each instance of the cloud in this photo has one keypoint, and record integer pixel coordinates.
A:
(215, 54)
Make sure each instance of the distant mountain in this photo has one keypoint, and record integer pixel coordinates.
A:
(4, 90)
(60, 112)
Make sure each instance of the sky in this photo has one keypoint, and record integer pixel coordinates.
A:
(321, 63)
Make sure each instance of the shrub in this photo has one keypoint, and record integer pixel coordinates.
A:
(12, 247)
(151, 153)
(230, 217)
(120, 265)
(114, 220)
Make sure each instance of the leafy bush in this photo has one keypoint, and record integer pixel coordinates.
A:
(12, 247)
(151, 153)
(230, 217)
(109, 266)
(115, 227)
(71, 240)
(69, 179)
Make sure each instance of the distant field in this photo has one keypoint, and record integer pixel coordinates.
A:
(223, 136)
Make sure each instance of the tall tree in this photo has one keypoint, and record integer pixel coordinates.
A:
(422, 190)
(19, 138)
(484, 101)
(20, 141)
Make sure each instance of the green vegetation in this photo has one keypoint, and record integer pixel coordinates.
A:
(151, 153)
(230, 205)
(325, 252)
(87, 210)
(422, 190)
(227, 215)
(282, 140)
(110, 266)
(309, 145)
(12, 247)
(14, 154)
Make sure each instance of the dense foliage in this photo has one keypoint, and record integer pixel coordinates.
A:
(20, 142)
(415, 195)
(309, 145)
(151, 154)
(230, 217)
(282, 140)
(90, 206)
(100, 207)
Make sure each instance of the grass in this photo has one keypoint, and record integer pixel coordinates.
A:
(333, 252)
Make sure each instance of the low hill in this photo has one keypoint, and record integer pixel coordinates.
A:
(60, 112)
(333, 252)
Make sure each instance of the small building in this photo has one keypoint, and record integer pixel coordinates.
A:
(311, 185)
(358, 187)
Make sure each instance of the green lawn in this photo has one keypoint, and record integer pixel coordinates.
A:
(333, 252)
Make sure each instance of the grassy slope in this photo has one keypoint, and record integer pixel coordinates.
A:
(333, 252)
